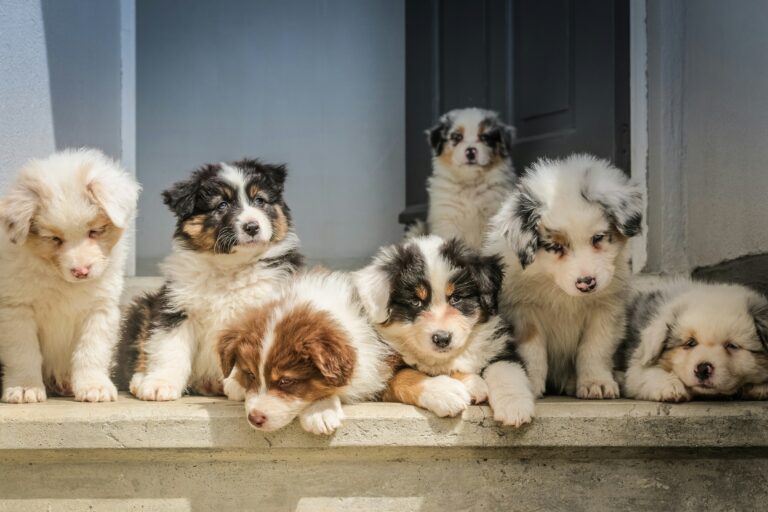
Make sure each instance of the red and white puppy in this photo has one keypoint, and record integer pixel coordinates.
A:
(303, 355)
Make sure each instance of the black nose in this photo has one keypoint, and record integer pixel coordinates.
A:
(586, 283)
(251, 228)
(441, 338)
(704, 371)
(471, 153)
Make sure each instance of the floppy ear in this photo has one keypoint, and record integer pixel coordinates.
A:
(655, 337)
(517, 223)
(115, 191)
(488, 274)
(332, 354)
(277, 174)
(228, 343)
(621, 201)
(438, 135)
(17, 209)
(508, 137)
(373, 285)
(180, 198)
(758, 308)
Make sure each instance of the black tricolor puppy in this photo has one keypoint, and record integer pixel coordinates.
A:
(234, 248)
(434, 302)
(688, 338)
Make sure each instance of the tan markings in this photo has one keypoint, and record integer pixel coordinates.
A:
(463, 377)
(240, 346)
(253, 190)
(422, 292)
(280, 225)
(446, 156)
(405, 387)
(450, 289)
(200, 237)
(529, 332)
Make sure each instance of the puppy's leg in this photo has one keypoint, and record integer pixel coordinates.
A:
(232, 387)
(92, 357)
(323, 416)
(442, 395)
(594, 357)
(477, 387)
(533, 350)
(169, 364)
(21, 357)
(509, 393)
(755, 392)
(654, 383)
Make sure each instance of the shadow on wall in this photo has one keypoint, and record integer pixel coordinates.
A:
(82, 40)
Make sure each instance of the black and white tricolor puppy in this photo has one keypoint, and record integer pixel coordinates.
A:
(434, 302)
(234, 248)
(471, 173)
(563, 233)
(688, 338)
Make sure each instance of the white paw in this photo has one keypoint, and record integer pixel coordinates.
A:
(444, 396)
(513, 410)
(538, 388)
(160, 390)
(672, 391)
(233, 389)
(322, 418)
(595, 389)
(755, 392)
(24, 394)
(95, 389)
(477, 387)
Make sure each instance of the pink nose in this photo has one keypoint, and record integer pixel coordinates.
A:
(257, 418)
(80, 272)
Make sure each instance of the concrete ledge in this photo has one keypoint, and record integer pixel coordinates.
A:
(212, 423)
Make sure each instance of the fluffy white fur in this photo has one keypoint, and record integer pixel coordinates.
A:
(684, 326)
(463, 195)
(567, 219)
(60, 280)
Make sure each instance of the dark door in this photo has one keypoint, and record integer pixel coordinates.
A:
(558, 70)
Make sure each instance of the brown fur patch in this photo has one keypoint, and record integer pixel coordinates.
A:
(253, 191)
(450, 289)
(422, 292)
(241, 346)
(200, 237)
(280, 225)
(405, 387)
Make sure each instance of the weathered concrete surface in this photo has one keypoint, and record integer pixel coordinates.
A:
(199, 454)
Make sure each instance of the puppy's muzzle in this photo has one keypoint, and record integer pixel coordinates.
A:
(257, 418)
(704, 371)
(586, 284)
(471, 154)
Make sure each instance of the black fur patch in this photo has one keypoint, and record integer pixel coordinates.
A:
(497, 136)
(528, 211)
(510, 353)
(408, 272)
(437, 136)
(760, 313)
(292, 260)
(641, 311)
(479, 280)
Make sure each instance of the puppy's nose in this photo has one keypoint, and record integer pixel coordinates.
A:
(586, 284)
(471, 154)
(80, 272)
(251, 228)
(704, 371)
(257, 418)
(441, 338)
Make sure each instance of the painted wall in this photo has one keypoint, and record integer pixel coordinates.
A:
(318, 85)
(708, 127)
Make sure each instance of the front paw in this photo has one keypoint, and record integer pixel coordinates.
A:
(24, 394)
(96, 389)
(233, 389)
(444, 396)
(673, 391)
(513, 411)
(477, 388)
(755, 392)
(153, 389)
(597, 388)
(322, 418)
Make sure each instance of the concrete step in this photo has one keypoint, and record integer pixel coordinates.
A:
(199, 454)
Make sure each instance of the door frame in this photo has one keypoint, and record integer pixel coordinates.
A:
(638, 119)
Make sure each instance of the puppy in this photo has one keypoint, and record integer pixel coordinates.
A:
(234, 248)
(304, 354)
(689, 338)
(434, 302)
(62, 256)
(471, 173)
(563, 235)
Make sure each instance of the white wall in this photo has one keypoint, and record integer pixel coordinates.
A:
(708, 127)
(318, 85)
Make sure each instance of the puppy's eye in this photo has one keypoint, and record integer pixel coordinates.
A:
(456, 137)
(454, 300)
(250, 375)
(731, 346)
(597, 239)
(56, 240)
(556, 248)
(259, 201)
(96, 233)
(285, 382)
(417, 303)
(691, 343)
(222, 206)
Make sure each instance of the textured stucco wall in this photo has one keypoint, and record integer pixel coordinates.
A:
(317, 85)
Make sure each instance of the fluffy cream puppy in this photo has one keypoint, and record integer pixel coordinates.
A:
(471, 174)
(563, 234)
(62, 255)
(690, 338)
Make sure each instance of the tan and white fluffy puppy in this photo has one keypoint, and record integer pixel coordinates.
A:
(62, 256)
(563, 234)
(434, 301)
(234, 248)
(471, 173)
(690, 338)
(304, 355)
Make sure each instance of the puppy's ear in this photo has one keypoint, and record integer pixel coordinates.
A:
(758, 308)
(333, 355)
(278, 173)
(508, 137)
(517, 223)
(488, 274)
(438, 135)
(621, 201)
(113, 190)
(656, 336)
(228, 343)
(180, 198)
(18, 208)
(373, 285)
